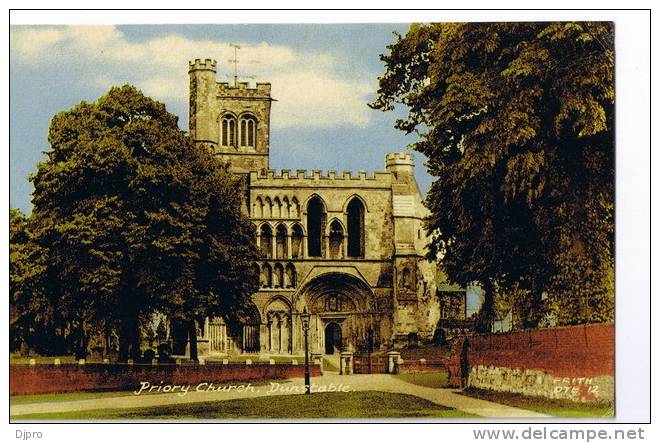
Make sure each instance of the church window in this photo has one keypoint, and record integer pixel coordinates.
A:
(268, 207)
(228, 131)
(407, 278)
(336, 239)
(291, 276)
(280, 240)
(258, 208)
(266, 241)
(277, 208)
(295, 208)
(355, 228)
(296, 241)
(248, 131)
(278, 276)
(266, 276)
(315, 227)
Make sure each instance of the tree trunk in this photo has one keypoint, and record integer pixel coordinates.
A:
(486, 316)
(535, 312)
(135, 352)
(129, 337)
(192, 334)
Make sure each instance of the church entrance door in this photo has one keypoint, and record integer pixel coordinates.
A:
(332, 338)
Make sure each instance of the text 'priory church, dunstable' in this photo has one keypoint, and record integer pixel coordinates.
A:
(349, 248)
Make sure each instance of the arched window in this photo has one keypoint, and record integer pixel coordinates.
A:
(315, 227)
(266, 241)
(280, 242)
(336, 239)
(355, 211)
(248, 131)
(268, 207)
(285, 207)
(407, 278)
(296, 241)
(295, 208)
(278, 275)
(266, 276)
(228, 131)
(290, 276)
(277, 208)
(258, 208)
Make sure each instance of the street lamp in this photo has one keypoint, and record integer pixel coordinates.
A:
(305, 324)
(370, 345)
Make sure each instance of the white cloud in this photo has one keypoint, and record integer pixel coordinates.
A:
(310, 88)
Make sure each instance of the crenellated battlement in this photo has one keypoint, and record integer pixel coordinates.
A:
(202, 65)
(316, 177)
(399, 158)
(242, 89)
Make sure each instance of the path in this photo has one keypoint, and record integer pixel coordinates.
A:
(374, 382)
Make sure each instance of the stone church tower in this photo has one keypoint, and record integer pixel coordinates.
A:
(348, 248)
(233, 120)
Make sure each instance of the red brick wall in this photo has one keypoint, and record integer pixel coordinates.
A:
(42, 379)
(570, 351)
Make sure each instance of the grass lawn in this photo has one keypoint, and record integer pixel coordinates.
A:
(70, 396)
(554, 407)
(369, 404)
(427, 379)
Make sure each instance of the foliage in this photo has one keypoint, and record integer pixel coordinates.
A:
(138, 220)
(29, 309)
(161, 331)
(517, 123)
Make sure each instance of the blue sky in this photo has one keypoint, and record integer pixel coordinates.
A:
(323, 76)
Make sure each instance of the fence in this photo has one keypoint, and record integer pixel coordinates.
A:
(379, 365)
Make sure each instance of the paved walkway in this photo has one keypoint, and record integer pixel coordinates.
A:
(374, 382)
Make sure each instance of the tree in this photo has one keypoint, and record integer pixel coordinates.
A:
(161, 331)
(120, 206)
(517, 122)
(25, 276)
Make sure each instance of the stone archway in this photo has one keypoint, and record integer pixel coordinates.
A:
(277, 337)
(332, 338)
(343, 310)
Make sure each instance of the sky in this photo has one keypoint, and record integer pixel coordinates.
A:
(322, 77)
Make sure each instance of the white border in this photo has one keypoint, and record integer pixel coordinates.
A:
(633, 197)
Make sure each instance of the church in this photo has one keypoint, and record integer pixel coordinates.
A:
(348, 248)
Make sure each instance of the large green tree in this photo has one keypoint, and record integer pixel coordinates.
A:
(138, 220)
(32, 322)
(517, 123)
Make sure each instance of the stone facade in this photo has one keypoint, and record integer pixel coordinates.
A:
(346, 247)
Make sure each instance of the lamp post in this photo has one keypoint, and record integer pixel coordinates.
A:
(305, 324)
(370, 346)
